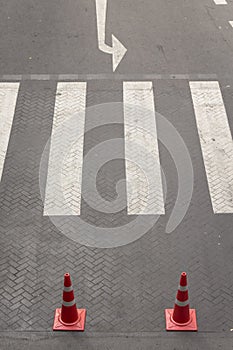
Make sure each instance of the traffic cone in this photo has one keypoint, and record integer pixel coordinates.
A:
(69, 318)
(181, 318)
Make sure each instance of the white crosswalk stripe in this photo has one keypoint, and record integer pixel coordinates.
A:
(216, 143)
(64, 180)
(8, 97)
(220, 2)
(143, 174)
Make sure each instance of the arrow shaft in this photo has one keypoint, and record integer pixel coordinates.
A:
(117, 50)
(101, 14)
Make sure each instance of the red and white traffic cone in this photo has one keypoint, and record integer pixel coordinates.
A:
(69, 318)
(181, 318)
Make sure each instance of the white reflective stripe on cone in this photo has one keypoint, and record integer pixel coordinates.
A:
(68, 303)
(181, 303)
(183, 288)
(67, 289)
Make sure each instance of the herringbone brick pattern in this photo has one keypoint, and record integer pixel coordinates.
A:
(126, 288)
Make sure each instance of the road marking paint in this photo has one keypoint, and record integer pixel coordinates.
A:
(216, 143)
(117, 50)
(107, 76)
(220, 2)
(231, 23)
(143, 173)
(8, 98)
(64, 180)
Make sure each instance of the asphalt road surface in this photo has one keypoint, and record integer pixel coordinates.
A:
(116, 165)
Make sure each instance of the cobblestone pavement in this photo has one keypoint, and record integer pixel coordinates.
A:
(125, 288)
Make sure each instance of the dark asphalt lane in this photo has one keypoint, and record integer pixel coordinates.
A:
(163, 37)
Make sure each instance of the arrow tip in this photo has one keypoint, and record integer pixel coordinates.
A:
(119, 52)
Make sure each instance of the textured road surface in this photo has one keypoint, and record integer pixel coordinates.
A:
(124, 289)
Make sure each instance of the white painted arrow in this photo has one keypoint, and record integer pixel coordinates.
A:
(117, 50)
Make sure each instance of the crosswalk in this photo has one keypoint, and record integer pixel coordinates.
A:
(144, 189)
(216, 143)
(63, 189)
(8, 97)
(141, 150)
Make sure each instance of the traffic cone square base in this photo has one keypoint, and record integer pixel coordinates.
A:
(172, 326)
(78, 326)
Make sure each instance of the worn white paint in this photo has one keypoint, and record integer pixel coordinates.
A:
(143, 173)
(8, 98)
(216, 143)
(220, 2)
(117, 50)
(64, 180)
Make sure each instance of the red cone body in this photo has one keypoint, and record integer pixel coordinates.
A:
(181, 317)
(69, 317)
(181, 309)
(69, 313)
